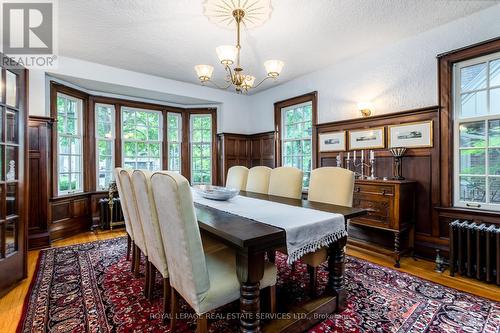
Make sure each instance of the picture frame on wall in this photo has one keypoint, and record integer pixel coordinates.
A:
(333, 141)
(371, 138)
(411, 135)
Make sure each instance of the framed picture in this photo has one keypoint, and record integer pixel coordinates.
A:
(367, 138)
(411, 135)
(334, 141)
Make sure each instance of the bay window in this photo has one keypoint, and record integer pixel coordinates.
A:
(69, 144)
(477, 133)
(174, 139)
(142, 138)
(201, 148)
(105, 144)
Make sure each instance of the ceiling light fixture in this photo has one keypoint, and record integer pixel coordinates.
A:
(250, 13)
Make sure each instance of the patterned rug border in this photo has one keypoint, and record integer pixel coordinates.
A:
(369, 263)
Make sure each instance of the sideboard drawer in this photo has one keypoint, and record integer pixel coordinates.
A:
(379, 209)
(368, 189)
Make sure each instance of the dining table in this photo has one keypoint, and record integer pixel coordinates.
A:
(252, 239)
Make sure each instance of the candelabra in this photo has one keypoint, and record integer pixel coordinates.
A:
(361, 164)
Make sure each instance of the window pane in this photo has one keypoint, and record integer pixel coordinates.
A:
(201, 149)
(104, 130)
(472, 134)
(495, 73)
(141, 118)
(494, 133)
(495, 101)
(472, 161)
(142, 149)
(474, 104)
(130, 149)
(63, 145)
(154, 150)
(472, 189)
(154, 119)
(63, 182)
(473, 77)
(75, 164)
(153, 134)
(104, 148)
(75, 145)
(141, 133)
(494, 183)
(64, 163)
(494, 161)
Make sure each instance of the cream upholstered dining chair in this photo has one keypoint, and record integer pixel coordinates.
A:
(135, 222)
(128, 226)
(286, 182)
(237, 177)
(157, 260)
(258, 179)
(330, 185)
(206, 281)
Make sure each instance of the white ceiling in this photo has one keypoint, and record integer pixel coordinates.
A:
(168, 37)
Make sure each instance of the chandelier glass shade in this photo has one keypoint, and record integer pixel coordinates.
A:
(227, 13)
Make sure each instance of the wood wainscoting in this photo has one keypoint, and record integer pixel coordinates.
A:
(39, 175)
(419, 164)
(247, 150)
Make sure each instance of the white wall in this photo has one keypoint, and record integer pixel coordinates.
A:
(232, 114)
(394, 78)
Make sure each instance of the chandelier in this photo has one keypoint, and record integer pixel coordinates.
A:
(226, 13)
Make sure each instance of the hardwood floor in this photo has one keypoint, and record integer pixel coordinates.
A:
(12, 303)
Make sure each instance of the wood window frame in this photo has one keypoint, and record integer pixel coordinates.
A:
(309, 97)
(445, 95)
(87, 127)
(89, 137)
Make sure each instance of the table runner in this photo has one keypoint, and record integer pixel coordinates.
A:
(306, 229)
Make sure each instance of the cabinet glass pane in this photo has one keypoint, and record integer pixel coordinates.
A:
(11, 229)
(11, 89)
(11, 198)
(2, 237)
(11, 126)
(11, 163)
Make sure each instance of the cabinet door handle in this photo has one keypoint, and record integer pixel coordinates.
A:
(357, 189)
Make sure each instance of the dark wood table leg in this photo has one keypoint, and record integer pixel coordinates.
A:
(250, 270)
(397, 253)
(336, 267)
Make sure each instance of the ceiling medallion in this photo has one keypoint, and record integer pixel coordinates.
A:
(228, 13)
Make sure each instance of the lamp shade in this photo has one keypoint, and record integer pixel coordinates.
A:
(249, 81)
(227, 54)
(204, 72)
(274, 67)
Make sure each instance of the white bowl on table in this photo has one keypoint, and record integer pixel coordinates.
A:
(216, 192)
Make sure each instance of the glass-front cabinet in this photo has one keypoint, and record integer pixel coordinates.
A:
(12, 164)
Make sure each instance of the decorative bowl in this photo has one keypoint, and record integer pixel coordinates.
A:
(216, 192)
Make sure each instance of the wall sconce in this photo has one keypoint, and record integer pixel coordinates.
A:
(365, 108)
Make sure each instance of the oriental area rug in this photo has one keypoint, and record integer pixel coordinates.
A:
(89, 288)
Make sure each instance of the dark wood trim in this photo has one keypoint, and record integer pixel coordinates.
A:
(445, 95)
(309, 97)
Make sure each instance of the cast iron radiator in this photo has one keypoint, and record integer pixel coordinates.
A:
(475, 250)
(104, 213)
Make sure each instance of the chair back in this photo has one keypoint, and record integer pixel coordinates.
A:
(258, 179)
(179, 228)
(141, 179)
(332, 185)
(286, 182)
(128, 225)
(237, 177)
(131, 204)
